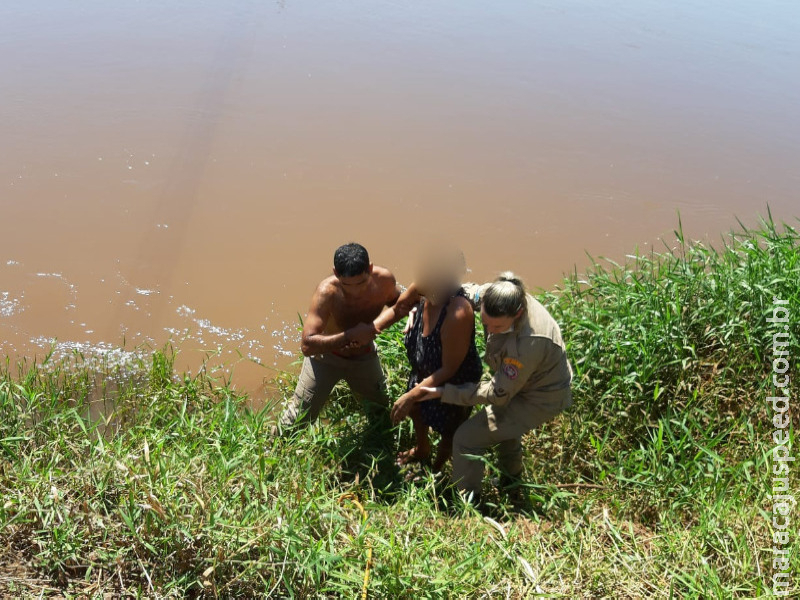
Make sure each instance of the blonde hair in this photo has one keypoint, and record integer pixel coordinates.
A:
(505, 297)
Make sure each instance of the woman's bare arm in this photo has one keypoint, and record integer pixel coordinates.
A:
(400, 309)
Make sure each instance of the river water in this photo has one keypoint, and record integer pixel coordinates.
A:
(182, 171)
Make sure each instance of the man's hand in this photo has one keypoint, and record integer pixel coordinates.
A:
(361, 335)
(431, 393)
(402, 408)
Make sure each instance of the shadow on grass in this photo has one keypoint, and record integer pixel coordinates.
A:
(366, 453)
(362, 446)
(360, 442)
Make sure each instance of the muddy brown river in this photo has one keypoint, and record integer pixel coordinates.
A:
(182, 171)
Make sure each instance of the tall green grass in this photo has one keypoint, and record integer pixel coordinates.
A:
(143, 482)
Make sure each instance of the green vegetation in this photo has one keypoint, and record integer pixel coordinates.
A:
(653, 486)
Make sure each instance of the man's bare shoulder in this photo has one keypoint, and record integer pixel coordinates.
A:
(327, 290)
(386, 283)
(383, 275)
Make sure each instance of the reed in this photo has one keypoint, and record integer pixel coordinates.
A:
(143, 482)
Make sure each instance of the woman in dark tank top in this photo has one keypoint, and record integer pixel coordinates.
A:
(440, 343)
(425, 355)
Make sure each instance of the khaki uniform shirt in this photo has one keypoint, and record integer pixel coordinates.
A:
(528, 362)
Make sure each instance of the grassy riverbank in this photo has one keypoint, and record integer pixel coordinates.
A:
(653, 486)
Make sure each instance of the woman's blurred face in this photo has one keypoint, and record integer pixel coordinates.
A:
(439, 270)
(433, 288)
(497, 324)
(434, 281)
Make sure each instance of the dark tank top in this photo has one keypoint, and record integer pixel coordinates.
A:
(425, 357)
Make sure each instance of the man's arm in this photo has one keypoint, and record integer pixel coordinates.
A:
(314, 341)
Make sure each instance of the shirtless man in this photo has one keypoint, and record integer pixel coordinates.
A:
(338, 335)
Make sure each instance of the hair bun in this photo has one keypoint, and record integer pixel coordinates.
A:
(510, 277)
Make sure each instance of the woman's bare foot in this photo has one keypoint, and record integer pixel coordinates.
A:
(415, 455)
(443, 454)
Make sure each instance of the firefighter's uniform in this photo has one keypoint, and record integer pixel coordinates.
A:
(530, 385)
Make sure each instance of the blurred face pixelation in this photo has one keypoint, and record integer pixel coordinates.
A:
(439, 270)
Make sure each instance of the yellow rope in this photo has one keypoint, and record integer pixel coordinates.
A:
(354, 499)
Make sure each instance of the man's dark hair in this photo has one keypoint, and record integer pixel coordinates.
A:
(350, 260)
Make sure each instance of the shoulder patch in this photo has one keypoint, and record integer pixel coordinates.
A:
(512, 361)
(510, 370)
